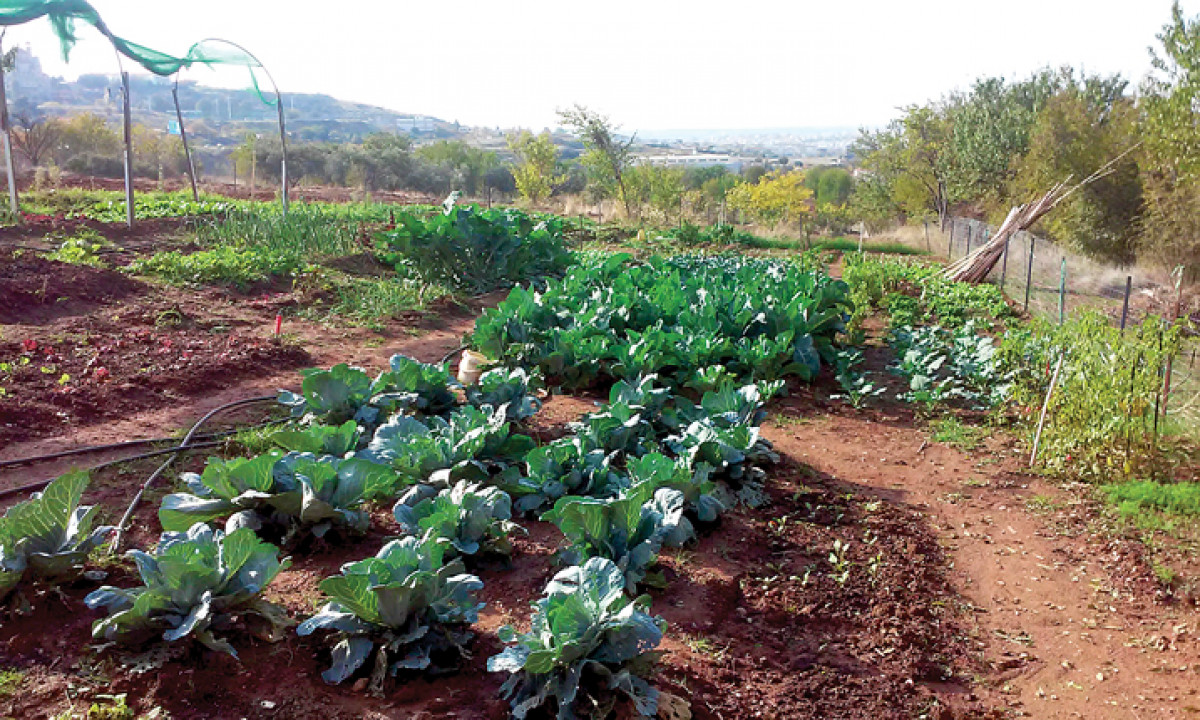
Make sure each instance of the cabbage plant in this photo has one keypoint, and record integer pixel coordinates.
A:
(629, 529)
(507, 388)
(473, 444)
(195, 583)
(296, 490)
(320, 439)
(474, 518)
(587, 640)
(405, 606)
(48, 537)
(567, 466)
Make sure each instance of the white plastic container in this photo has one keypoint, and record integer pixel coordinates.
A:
(471, 366)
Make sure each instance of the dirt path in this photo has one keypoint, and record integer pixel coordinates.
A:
(1062, 620)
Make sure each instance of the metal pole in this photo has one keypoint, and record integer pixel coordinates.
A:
(128, 149)
(968, 252)
(1029, 274)
(950, 244)
(1062, 291)
(10, 166)
(283, 173)
(187, 153)
(1125, 305)
(1004, 264)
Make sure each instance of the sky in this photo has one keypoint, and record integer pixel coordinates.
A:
(648, 64)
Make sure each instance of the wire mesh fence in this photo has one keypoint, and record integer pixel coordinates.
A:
(1051, 281)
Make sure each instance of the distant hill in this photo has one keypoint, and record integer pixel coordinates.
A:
(214, 116)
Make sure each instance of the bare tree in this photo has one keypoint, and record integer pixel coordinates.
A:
(35, 137)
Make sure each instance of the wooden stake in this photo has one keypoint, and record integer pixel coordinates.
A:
(1037, 438)
(1029, 274)
(1125, 305)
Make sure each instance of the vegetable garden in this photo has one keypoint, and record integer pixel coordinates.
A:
(597, 524)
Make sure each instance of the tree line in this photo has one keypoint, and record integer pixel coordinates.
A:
(1003, 143)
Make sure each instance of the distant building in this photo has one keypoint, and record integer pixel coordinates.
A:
(691, 160)
(414, 123)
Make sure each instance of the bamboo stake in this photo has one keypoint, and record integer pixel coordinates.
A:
(1037, 439)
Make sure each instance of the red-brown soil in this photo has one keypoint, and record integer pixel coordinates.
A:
(973, 590)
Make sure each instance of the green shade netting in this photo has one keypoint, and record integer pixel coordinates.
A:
(63, 14)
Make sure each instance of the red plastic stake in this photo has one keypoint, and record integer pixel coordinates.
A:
(278, 324)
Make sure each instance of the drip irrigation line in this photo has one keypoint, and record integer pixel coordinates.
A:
(128, 443)
(34, 486)
(183, 447)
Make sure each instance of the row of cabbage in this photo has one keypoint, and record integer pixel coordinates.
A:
(642, 472)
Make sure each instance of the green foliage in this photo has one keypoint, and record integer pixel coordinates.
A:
(319, 439)
(1100, 421)
(536, 158)
(407, 605)
(344, 393)
(671, 317)
(943, 366)
(474, 518)
(194, 584)
(629, 529)
(475, 250)
(48, 537)
(1181, 498)
(296, 490)
(952, 431)
(219, 266)
(82, 248)
(587, 640)
(507, 389)
(472, 444)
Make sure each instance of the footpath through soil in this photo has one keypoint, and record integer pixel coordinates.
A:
(1062, 618)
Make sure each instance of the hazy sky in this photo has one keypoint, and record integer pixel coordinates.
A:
(651, 64)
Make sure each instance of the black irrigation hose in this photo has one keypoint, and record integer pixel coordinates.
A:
(452, 353)
(31, 487)
(183, 446)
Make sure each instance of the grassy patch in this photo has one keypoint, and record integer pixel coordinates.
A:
(1135, 496)
(220, 266)
(951, 431)
(10, 681)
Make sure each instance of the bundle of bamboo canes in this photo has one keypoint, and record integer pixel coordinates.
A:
(975, 266)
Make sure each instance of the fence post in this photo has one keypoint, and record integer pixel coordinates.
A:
(1029, 273)
(1166, 393)
(950, 244)
(1062, 291)
(1004, 264)
(128, 132)
(968, 252)
(1125, 305)
(9, 162)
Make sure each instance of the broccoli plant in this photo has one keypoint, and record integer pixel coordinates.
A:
(629, 529)
(472, 517)
(196, 583)
(48, 537)
(587, 640)
(296, 490)
(407, 606)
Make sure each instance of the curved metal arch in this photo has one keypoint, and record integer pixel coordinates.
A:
(278, 105)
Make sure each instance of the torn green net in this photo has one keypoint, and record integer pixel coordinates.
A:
(63, 14)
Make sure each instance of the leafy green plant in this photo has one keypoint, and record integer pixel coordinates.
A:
(48, 537)
(567, 466)
(407, 605)
(319, 439)
(475, 250)
(507, 388)
(856, 388)
(195, 584)
(472, 444)
(629, 529)
(659, 471)
(220, 266)
(587, 640)
(944, 366)
(295, 491)
(82, 248)
(474, 518)
(1181, 498)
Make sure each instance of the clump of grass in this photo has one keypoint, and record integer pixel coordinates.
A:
(951, 431)
(220, 266)
(10, 681)
(1135, 496)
